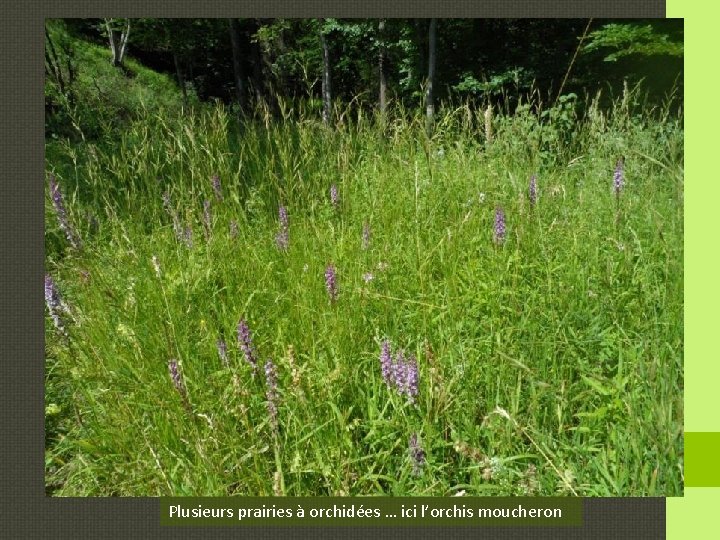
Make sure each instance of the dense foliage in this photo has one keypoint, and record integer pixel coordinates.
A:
(277, 60)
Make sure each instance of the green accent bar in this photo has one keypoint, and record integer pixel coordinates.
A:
(702, 459)
(370, 511)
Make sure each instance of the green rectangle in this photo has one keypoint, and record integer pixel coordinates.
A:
(369, 511)
(702, 454)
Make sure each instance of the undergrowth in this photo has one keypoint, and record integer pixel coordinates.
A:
(549, 359)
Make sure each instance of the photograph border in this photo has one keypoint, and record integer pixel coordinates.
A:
(25, 507)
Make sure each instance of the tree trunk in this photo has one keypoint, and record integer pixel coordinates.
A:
(190, 64)
(180, 77)
(326, 91)
(257, 64)
(429, 103)
(421, 41)
(123, 43)
(240, 90)
(381, 66)
(113, 36)
(118, 41)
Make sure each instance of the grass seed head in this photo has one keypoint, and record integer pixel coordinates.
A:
(222, 352)
(271, 392)
(366, 235)
(417, 454)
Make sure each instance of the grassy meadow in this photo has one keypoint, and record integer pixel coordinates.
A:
(543, 357)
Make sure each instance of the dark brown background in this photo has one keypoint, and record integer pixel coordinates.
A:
(25, 512)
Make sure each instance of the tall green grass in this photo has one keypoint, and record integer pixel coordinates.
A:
(550, 364)
(96, 99)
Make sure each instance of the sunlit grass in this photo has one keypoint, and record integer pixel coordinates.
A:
(550, 363)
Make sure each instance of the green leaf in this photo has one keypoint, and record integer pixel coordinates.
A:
(596, 385)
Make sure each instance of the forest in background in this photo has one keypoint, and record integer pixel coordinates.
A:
(366, 64)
